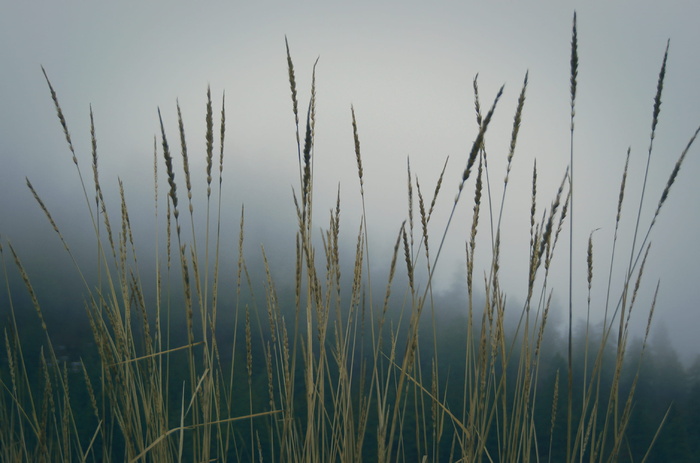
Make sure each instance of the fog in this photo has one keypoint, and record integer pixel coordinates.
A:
(407, 68)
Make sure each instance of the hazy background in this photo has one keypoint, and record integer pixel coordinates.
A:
(407, 67)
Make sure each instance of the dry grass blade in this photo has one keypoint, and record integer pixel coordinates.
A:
(46, 211)
(410, 200)
(659, 89)
(61, 118)
(672, 177)
(155, 354)
(654, 122)
(185, 158)
(358, 157)
(293, 87)
(623, 183)
(546, 240)
(169, 168)
(477, 103)
(307, 179)
(222, 134)
(574, 69)
(573, 83)
(95, 172)
(664, 194)
(476, 146)
(517, 120)
(409, 262)
(424, 224)
(437, 189)
(210, 140)
(183, 428)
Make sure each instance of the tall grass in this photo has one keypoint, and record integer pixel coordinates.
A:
(347, 376)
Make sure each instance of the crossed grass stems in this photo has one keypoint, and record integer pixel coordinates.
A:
(328, 399)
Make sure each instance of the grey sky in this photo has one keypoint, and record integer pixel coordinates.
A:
(407, 67)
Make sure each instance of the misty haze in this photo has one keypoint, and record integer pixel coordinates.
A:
(392, 232)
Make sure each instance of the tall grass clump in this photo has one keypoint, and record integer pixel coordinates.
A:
(347, 368)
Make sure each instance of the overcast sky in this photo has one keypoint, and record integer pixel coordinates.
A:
(407, 67)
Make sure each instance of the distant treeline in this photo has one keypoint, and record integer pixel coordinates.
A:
(667, 390)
